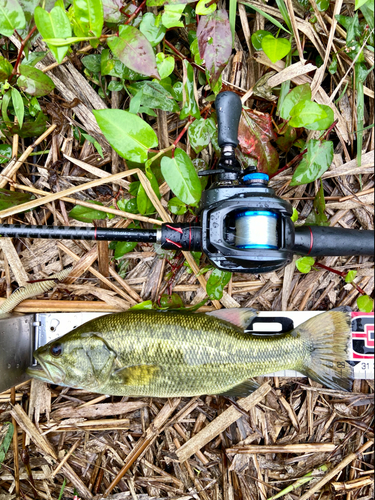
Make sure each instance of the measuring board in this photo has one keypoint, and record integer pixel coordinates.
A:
(49, 326)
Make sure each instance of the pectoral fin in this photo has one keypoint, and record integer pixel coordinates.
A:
(138, 375)
(242, 390)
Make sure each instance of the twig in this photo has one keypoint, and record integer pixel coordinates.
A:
(347, 461)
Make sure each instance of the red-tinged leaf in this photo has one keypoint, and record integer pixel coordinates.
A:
(254, 134)
(135, 51)
(215, 42)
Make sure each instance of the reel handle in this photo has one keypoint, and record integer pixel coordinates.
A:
(318, 241)
(228, 109)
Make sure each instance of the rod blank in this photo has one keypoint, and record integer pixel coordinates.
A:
(78, 233)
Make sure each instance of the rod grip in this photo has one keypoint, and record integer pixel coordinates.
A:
(228, 110)
(319, 241)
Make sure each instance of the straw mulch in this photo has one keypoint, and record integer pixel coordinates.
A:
(69, 441)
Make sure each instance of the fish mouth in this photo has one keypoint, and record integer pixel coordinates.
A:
(43, 372)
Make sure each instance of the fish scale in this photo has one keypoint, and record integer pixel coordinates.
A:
(168, 354)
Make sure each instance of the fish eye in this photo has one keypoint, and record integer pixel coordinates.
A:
(56, 350)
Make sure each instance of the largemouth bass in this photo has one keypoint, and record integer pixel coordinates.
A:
(173, 354)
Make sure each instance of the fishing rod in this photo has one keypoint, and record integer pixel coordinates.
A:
(243, 225)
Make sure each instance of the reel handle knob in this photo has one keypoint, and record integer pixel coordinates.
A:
(228, 109)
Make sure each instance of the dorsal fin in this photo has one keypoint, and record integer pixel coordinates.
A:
(237, 316)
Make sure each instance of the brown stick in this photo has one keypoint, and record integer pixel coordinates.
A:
(46, 448)
(11, 169)
(282, 448)
(144, 443)
(221, 423)
(347, 461)
(100, 208)
(15, 445)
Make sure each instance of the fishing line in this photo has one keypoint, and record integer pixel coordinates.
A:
(256, 229)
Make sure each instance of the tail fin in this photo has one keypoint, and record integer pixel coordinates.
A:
(327, 337)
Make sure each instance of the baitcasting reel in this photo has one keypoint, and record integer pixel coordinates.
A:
(244, 227)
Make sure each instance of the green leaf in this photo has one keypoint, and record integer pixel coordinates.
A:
(318, 217)
(365, 304)
(267, 16)
(181, 177)
(154, 95)
(34, 82)
(311, 115)
(6, 436)
(18, 106)
(130, 136)
(129, 206)
(53, 25)
(173, 301)
(5, 153)
(202, 10)
(350, 277)
(316, 161)
(352, 26)
(33, 58)
(88, 17)
(5, 69)
(66, 42)
(153, 29)
(298, 94)
(359, 3)
(135, 51)
(147, 304)
(216, 284)
(322, 5)
(164, 64)
(200, 133)
(368, 12)
(95, 143)
(124, 247)
(177, 207)
(284, 11)
(32, 128)
(215, 42)
(172, 15)
(304, 264)
(85, 214)
(276, 48)
(232, 18)
(11, 17)
(190, 106)
(9, 199)
(92, 62)
(257, 37)
(332, 68)
(114, 86)
(295, 215)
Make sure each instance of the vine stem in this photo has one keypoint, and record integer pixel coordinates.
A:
(342, 274)
(23, 44)
(136, 12)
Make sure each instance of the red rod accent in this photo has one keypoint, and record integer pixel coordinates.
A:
(178, 229)
(189, 237)
(173, 243)
(96, 233)
(311, 241)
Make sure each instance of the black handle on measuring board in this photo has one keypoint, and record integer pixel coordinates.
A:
(320, 241)
(228, 110)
